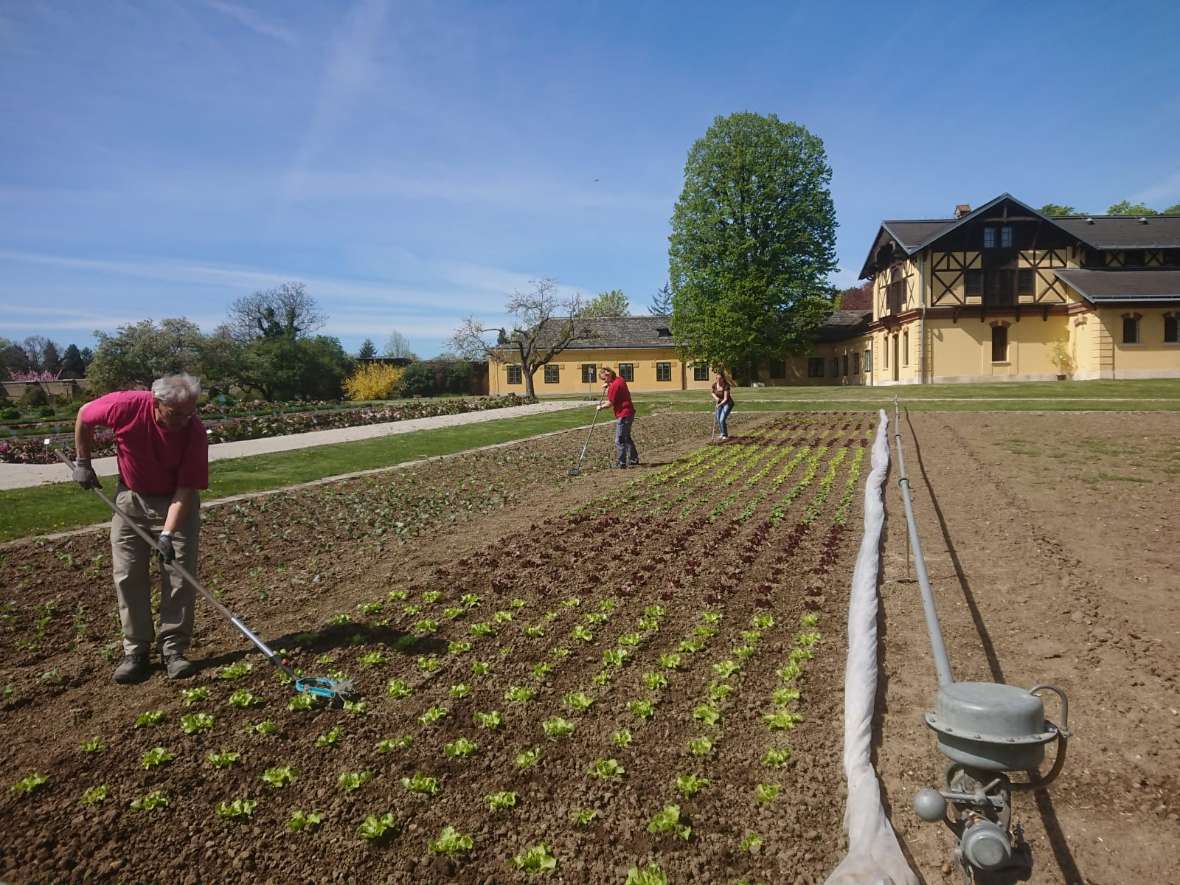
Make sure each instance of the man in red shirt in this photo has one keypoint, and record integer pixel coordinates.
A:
(619, 397)
(163, 457)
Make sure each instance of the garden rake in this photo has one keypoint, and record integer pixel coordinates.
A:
(317, 686)
(576, 470)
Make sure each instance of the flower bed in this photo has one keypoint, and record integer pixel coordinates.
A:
(261, 426)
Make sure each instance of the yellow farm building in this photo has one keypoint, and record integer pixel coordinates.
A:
(1001, 293)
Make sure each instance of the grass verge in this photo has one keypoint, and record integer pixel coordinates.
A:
(51, 508)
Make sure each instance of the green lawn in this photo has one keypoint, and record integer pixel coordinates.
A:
(1147, 395)
(51, 508)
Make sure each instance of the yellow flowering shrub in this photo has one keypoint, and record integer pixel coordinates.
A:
(372, 381)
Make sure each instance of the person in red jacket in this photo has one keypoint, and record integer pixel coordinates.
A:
(617, 396)
(163, 457)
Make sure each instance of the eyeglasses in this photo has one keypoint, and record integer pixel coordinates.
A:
(175, 414)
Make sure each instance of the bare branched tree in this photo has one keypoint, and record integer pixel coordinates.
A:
(544, 326)
(285, 312)
(398, 345)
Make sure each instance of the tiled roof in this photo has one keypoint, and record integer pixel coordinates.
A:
(601, 332)
(1098, 286)
(844, 324)
(1125, 231)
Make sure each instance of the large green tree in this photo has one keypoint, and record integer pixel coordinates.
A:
(139, 353)
(1052, 209)
(753, 242)
(1125, 207)
(608, 304)
(1172, 210)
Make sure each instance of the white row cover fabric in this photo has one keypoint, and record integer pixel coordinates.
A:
(874, 855)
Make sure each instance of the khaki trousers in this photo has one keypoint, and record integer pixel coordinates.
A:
(131, 557)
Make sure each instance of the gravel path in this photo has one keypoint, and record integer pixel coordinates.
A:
(19, 476)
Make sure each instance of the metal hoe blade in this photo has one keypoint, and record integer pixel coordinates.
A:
(323, 687)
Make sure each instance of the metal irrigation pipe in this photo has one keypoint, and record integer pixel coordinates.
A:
(941, 662)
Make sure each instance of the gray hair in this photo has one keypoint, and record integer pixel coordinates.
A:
(174, 389)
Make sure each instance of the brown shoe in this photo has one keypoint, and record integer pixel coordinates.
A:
(133, 668)
(177, 666)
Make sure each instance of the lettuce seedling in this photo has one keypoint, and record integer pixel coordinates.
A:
(192, 696)
(648, 875)
(195, 723)
(582, 633)
(614, 657)
(398, 689)
(223, 759)
(706, 713)
(700, 746)
(433, 715)
(655, 681)
(301, 820)
(480, 668)
(528, 758)
(243, 698)
(542, 671)
(95, 795)
(630, 640)
(670, 661)
(534, 631)
(423, 627)
(490, 720)
(422, 784)
(666, 821)
(375, 828)
(389, 745)
(238, 809)
(559, 653)
(809, 620)
(583, 817)
(351, 781)
(518, 694)
(762, 621)
(502, 617)
(578, 701)
(469, 600)
(370, 608)
(719, 691)
(775, 758)
(356, 708)
(500, 801)
(767, 793)
(452, 843)
(453, 612)
(621, 738)
(557, 728)
(458, 647)
(641, 708)
(93, 745)
(607, 768)
(535, 860)
(329, 737)
(429, 663)
(751, 842)
(155, 757)
(691, 646)
(482, 629)
(460, 690)
(602, 677)
(265, 727)
(301, 703)
(153, 800)
(461, 748)
(373, 659)
(150, 718)
(689, 785)
(726, 668)
(235, 671)
(782, 720)
(30, 783)
(279, 776)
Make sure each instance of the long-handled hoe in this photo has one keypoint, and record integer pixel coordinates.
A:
(319, 686)
(576, 470)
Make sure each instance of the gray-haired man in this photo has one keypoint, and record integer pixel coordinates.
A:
(163, 457)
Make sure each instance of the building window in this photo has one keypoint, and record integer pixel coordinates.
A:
(868, 360)
(835, 367)
(1000, 237)
(700, 371)
(973, 281)
(1130, 330)
(663, 371)
(552, 373)
(989, 238)
(1171, 330)
(514, 376)
(999, 344)
(663, 332)
(1026, 282)
(778, 369)
(1006, 236)
(627, 371)
(844, 364)
(856, 362)
(589, 373)
(905, 348)
(886, 339)
(815, 367)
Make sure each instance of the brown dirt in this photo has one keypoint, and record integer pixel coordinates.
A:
(1051, 544)
(511, 529)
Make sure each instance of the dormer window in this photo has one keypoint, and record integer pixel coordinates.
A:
(663, 332)
(997, 237)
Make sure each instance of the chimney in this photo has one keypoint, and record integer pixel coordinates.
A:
(962, 209)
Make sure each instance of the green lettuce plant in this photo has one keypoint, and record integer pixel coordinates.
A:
(148, 719)
(461, 748)
(666, 822)
(351, 781)
(390, 745)
(688, 785)
(279, 776)
(223, 759)
(155, 757)
(237, 809)
(452, 843)
(535, 860)
(422, 784)
(304, 820)
(607, 768)
(150, 802)
(30, 783)
(500, 801)
(195, 723)
(375, 828)
(557, 728)
(95, 795)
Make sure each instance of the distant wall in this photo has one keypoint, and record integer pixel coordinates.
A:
(66, 387)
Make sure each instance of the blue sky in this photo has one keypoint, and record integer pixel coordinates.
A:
(414, 163)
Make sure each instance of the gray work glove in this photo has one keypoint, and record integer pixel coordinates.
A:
(164, 547)
(84, 474)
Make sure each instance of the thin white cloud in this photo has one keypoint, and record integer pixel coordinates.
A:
(1162, 192)
(251, 20)
(351, 69)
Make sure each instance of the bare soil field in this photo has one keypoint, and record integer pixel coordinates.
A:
(1052, 543)
(627, 668)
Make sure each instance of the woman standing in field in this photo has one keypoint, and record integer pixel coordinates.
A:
(723, 397)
